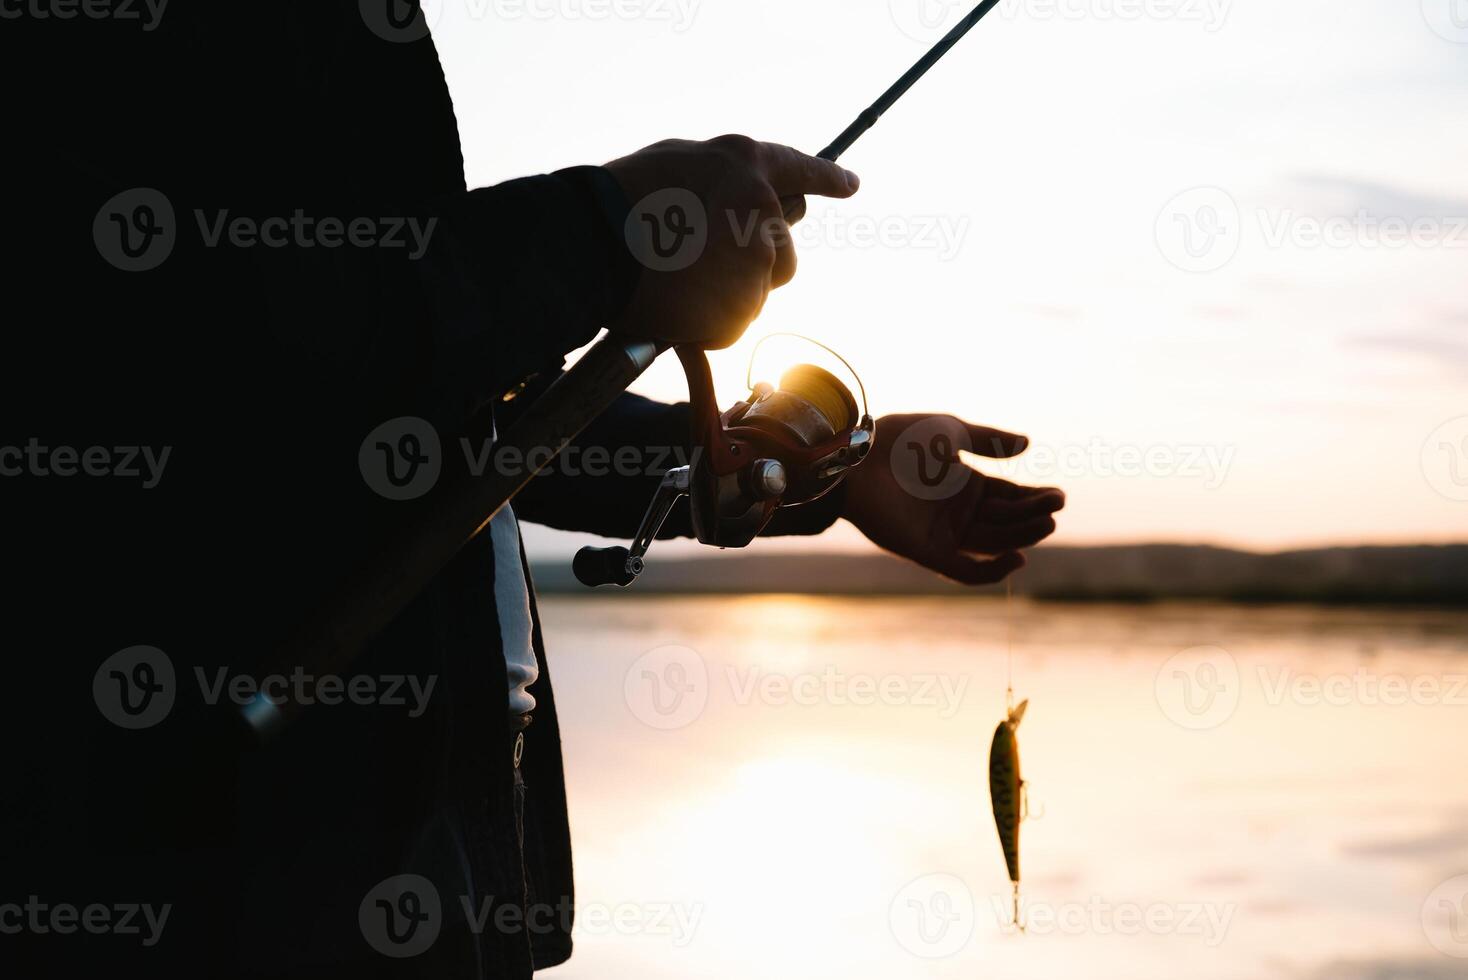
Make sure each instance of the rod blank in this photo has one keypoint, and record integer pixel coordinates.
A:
(872, 113)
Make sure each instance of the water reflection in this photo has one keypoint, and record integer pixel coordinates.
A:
(820, 806)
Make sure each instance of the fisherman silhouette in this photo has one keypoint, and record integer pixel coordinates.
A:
(264, 358)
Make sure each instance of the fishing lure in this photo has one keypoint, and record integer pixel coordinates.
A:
(1007, 793)
(1007, 790)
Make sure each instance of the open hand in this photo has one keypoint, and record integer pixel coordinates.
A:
(914, 497)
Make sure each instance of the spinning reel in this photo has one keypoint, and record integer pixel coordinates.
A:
(780, 447)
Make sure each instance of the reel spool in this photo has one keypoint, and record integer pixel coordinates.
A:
(780, 447)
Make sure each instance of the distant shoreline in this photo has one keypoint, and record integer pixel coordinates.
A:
(1378, 575)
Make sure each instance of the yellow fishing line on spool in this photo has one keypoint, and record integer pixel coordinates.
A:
(824, 391)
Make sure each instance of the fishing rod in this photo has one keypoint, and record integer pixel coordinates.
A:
(379, 590)
(873, 112)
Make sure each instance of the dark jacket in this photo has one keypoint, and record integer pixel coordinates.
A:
(261, 369)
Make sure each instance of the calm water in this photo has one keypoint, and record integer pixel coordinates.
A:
(793, 787)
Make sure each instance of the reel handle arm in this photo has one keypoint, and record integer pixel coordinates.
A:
(620, 566)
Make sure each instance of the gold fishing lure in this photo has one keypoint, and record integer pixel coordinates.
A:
(1007, 793)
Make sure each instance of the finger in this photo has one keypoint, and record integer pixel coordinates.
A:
(1021, 508)
(967, 570)
(774, 232)
(990, 538)
(794, 207)
(1000, 489)
(791, 172)
(784, 268)
(996, 443)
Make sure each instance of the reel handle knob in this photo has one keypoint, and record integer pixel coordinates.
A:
(605, 566)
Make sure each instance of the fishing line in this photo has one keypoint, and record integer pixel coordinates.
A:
(1009, 644)
(1007, 791)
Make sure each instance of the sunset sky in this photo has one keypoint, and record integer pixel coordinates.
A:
(1229, 236)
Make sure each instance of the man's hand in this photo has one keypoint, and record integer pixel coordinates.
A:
(708, 224)
(913, 496)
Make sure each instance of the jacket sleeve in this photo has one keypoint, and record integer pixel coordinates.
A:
(519, 274)
(603, 482)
